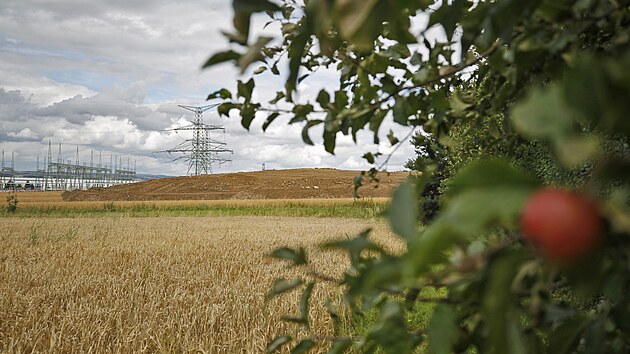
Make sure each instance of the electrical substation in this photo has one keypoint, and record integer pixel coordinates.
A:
(201, 151)
(60, 174)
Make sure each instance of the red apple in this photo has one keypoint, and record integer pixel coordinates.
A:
(562, 225)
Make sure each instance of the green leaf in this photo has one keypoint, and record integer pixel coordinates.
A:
(330, 139)
(475, 211)
(491, 174)
(564, 339)
(225, 108)
(543, 114)
(323, 98)
(375, 123)
(458, 105)
(442, 330)
(587, 277)
(269, 120)
(311, 123)
(253, 54)
(356, 22)
(260, 70)
(401, 111)
(288, 28)
(304, 346)
(403, 211)
(429, 248)
(274, 69)
(447, 16)
(277, 343)
(595, 337)
(341, 99)
(358, 182)
(222, 93)
(295, 52)
(248, 113)
(355, 246)
(252, 6)
(616, 209)
(497, 300)
(243, 10)
(391, 332)
(393, 140)
(279, 96)
(377, 63)
(301, 112)
(245, 89)
(221, 57)
(516, 341)
(484, 195)
(340, 345)
(297, 257)
(293, 319)
(369, 157)
(304, 301)
(241, 22)
(282, 286)
(334, 316)
(397, 51)
(574, 151)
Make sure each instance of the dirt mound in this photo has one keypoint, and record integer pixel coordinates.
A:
(274, 184)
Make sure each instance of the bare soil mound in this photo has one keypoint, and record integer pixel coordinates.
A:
(273, 184)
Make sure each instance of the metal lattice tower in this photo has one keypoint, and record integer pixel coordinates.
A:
(201, 151)
(65, 175)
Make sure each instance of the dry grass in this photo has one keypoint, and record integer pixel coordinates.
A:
(155, 284)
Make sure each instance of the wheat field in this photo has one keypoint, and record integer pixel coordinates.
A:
(168, 284)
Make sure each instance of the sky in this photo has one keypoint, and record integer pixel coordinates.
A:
(107, 77)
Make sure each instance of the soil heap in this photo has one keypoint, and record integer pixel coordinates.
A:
(270, 184)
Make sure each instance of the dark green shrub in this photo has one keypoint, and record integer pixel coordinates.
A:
(12, 202)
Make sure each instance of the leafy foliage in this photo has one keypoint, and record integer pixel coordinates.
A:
(432, 159)
(12, 202)
(516, 95)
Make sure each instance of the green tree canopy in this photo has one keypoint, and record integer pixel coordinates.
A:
(542, 85)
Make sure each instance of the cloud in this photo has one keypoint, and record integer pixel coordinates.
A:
(107, 76)
(117, 101)
(13, 106)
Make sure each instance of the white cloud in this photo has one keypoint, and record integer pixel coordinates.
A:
(107, 77)
(25, 133)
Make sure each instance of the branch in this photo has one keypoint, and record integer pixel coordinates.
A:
(323, 277)
(389, 156)
(440, 77)
(418, 332)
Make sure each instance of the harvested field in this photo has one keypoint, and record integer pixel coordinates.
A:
(273, 184)
(157, 284)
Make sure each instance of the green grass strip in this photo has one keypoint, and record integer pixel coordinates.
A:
(358, 211)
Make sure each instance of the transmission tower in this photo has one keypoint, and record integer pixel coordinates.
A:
(201, 151)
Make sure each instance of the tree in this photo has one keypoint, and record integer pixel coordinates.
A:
(432, 158)
(540, 84)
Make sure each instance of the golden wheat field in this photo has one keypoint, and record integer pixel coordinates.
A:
(167, 284)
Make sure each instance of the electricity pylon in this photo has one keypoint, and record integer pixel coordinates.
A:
(201, 151)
